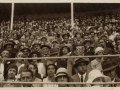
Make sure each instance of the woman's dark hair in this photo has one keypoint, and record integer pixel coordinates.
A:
(38, 55)
(34, 66)
(61, 52)
(51, 65)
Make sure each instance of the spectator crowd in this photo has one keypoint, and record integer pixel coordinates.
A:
(54, 37)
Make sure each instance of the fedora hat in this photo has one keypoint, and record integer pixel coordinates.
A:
(87, 40)
(42, 46)
(54, 51)
(80, 60)
(25, 48)
(10, 42)
(108, 65)
(36, 43)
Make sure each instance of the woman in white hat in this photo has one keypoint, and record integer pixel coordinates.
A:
(62, 76)
(96, 63)
(96, 76)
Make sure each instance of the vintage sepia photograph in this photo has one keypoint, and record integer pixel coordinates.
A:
(59, 44)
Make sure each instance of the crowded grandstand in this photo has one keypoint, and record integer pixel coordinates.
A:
(55, 52)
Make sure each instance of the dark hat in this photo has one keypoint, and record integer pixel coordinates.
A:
(108, 65)
(67, 34)
(45, 46)
(54, 51)
(36, 43)
(43, 38)
(13, 66)
(87, 40)
(79, 61)
(25, 48)
(10, 42)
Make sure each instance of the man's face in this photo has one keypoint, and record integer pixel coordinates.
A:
(62, 78)
(82, 68)
(36, 47)
(26, 52)
(87, 44)
(51, 71)
(45, 50)
(26, 77)
(11, 73)
(5, 54)
(9, 47)
(20, 55)
(66, 38)
(102, 43)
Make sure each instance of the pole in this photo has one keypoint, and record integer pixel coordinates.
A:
(72, 15)
(12, 15)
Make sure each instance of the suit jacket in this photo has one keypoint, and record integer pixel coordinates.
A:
(76, 78)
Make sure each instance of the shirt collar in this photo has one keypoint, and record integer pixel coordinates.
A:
(79, 75)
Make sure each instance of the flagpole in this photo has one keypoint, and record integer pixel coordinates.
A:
(72, 15)
(12, 16)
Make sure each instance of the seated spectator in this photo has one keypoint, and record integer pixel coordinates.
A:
(11, 71)
(82, 75)
(45, 50)
(26, 75)
(109, 69)
(19, 62)
(89, 49)
(40, 65)
(64, 51)
(96, 63)
(36, 76)
(78, 50)
(107, 50)
(36, 47)
(51, 71)
(62, 76)
(96, 76)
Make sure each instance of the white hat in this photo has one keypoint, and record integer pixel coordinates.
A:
(96, 74)
(98, 49)
(61, 71)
